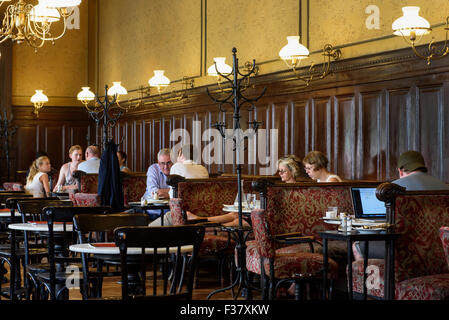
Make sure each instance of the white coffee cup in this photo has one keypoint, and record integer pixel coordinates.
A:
(331, 214)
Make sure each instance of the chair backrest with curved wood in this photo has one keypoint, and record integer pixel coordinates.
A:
(161, 248)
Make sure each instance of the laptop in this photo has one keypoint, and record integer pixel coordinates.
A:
(366, 205)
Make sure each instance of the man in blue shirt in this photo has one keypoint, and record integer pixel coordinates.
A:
(157, 179)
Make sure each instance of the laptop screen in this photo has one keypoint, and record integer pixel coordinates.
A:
(366, 205)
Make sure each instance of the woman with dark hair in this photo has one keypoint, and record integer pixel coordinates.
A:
(122, 160)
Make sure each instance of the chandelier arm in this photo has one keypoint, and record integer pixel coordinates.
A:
(251, 71)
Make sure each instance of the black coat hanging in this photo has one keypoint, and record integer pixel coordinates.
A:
(110, 188)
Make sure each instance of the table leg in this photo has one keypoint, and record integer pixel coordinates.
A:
(162, 216)
(365, 265)
(325, 266)
(349, 255)
(389, 285)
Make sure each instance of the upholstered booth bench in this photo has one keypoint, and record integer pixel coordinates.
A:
(421, 268)
(297, 208)
(205, 198)
(134, 186)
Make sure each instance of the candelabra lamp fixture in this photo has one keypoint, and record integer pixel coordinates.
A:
(107, 110)
(236, 100)
(7, 131)
(293, 52)
(23, 22)
(411, 26)
(38, 100)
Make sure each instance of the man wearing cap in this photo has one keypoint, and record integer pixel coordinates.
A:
(413, 177)
(413, 174)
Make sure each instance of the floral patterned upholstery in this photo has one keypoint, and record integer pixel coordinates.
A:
(419, 255)
(86, 199)
(134, 187)
(13, 186)
(88, 183)
(300, 208)
(444, 236)
(432, 287)
(212, 243)
(206, 198)
(288, 260)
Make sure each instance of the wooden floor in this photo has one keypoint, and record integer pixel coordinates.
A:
(208, 281)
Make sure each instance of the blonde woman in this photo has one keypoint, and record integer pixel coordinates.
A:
(66, 179)
(291, 170)
(315, 164)
(37, 181)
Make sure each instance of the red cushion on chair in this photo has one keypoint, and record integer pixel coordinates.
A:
(215, 243)
(286, 265)
(434, 287)
(87, 199)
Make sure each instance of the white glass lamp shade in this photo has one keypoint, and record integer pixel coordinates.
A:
(410, 23)
(117, 89)
(159, 80)
(222, 67)
(86, 95)
(39, 98)
(293, 50)
(61, 3)
(41, 13)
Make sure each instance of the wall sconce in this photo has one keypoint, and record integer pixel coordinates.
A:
(159, 80)
(38, 100)
(294, 52)
(411, 25)
(161, 83)
(221, 71)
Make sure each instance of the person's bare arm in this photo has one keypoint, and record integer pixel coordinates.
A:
(61, 178)
(45, 183)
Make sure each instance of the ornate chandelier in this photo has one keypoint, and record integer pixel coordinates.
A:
(24, 22)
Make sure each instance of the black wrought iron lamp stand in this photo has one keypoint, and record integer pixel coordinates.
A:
(236, 100)
(104, 112)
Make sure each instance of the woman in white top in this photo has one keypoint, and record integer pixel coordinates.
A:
(315, 164)
(66, 180)
(37, 181)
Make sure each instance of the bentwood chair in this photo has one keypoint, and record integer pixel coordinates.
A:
(13, 254)
(96, 227)
(31, 210)
(53, 277)
(160, 248)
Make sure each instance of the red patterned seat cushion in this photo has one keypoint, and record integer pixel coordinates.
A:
(434, 287)
(213, 244)
(295, 258)
(444, 236)
(286, 265)
(86, 199)
(13, 186)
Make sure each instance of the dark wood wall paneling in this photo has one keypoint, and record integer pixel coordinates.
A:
(363, 116)
(53, 131)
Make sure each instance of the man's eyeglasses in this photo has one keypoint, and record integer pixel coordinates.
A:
(168, 163)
